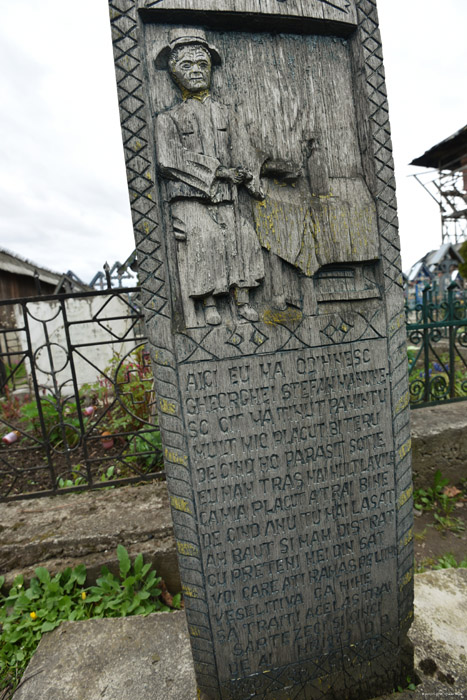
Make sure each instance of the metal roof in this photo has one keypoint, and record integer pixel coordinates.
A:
(10, 262)
(15, 264)
(446, 155)
(428, 263)
(446, 250)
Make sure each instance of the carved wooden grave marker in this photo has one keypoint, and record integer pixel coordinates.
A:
(262, 189)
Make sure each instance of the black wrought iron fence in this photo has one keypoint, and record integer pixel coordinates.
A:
(77, 404)
(437, 350)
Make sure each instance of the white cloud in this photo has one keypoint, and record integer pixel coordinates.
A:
(63, 195)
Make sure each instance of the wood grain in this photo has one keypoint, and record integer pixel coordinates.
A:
(286, 439)
(331, 10)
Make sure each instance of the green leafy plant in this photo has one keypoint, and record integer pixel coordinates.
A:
(77, 479)
(447, 522)
(410, 685)
(421, 535)
(441, 499)
(108, 475)
(426, 499)
(447, 561)
(135, 592)
(145, 448)
(27, 613)
(125, 393)
(125, 401)
(60, 419)
(120, 405)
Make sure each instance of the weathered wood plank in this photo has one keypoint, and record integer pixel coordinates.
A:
(332, 10)
(262, 189)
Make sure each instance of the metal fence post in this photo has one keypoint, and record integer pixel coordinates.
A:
(427, 293)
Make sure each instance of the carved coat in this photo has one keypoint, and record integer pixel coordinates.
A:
(217, 246)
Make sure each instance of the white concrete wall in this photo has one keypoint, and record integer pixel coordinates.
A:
(46, 318)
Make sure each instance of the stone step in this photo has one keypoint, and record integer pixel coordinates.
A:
(439, 441)
(149, 658)
(128, 658)
(86, 528)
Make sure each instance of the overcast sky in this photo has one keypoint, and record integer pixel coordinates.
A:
(63, 196)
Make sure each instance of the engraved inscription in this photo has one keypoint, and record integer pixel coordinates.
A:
(293, 461)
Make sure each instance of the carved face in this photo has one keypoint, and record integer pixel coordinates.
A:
(190, 67)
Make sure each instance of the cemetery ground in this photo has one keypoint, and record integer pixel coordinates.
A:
(125, 511)
(440, 539)
(43, 532)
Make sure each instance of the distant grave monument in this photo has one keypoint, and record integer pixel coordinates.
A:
(262, 190)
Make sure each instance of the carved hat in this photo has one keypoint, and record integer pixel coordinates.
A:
(182, 37)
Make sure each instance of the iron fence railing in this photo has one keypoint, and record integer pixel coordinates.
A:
(437, 350)
(77, 404)
(437, 293)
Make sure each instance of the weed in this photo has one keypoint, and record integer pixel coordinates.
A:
(410, 685)
(125, 393)
(442, 499)
(447, 561)
(27, 613)
(447, 522)
(59, 418)
(145, 448)
(77, 479)
(136, 593)
(421, 535)
(426, 499)
(108, 474)
(425, 564)
(10, 406)
(121, 403)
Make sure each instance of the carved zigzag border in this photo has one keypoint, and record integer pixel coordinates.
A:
(137, 144)
(385, 191)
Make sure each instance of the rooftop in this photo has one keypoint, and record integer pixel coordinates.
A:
(17, 265)
(450, 154)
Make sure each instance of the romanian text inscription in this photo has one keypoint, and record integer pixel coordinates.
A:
(293, 470)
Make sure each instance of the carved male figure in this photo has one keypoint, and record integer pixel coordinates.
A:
(199, 156)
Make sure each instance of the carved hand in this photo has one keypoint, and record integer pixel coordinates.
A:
(236, 176)
(254, 189)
